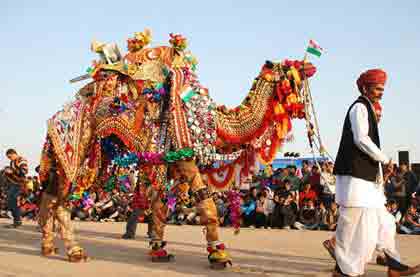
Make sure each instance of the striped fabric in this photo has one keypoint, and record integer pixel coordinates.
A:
(20, 169)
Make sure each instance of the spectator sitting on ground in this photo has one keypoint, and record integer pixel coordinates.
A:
(260, 218)
(28, 209)
(332, 217)
(253, 193)
(268, 206)
(307, 216)
(220, 206)
(392, 207)
(411, 222)
(322, 217)
(287, 212)
(248, 211)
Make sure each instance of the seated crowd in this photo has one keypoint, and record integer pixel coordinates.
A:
(284, 198)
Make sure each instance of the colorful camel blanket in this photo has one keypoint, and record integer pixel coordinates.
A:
(65, 130)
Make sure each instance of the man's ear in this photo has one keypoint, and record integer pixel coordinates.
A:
(364, 90)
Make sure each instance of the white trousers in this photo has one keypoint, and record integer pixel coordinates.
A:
(359, 232)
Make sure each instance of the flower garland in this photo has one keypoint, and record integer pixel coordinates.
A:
(182, 154)
(153, 158)
(267, 158)
(234, 199)
(227, 180)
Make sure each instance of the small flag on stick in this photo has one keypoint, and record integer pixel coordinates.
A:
(314, 48)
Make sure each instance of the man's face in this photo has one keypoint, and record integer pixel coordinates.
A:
(394, 206)
(375, 93)
(12, 157)
(310, 204)
(404, 168)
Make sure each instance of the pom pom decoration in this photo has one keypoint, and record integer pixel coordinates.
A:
(140, 40)
(178, 42)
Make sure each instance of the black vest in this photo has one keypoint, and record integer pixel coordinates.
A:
(350, 159)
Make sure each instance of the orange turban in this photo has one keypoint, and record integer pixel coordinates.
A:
(371, 77)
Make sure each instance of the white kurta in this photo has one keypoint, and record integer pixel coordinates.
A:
(364, 223)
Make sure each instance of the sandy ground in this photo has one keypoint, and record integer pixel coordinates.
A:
(255, 252)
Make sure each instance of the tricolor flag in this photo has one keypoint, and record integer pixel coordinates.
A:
(314, 48)
(187, 94)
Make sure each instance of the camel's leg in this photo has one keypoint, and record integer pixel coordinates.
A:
(74, 252)
(46, 223)
(159, 211)
(207, 211)
(159, 214)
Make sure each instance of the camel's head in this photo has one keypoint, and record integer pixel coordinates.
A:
(289, 78)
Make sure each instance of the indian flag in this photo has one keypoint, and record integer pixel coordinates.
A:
(314, 48)
(187, 94)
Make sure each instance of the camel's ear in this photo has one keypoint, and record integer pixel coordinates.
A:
(269, 64)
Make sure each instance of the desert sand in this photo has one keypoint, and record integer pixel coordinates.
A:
(255, 252)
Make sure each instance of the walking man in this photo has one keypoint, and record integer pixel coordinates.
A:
(364, 223)
(15, 178)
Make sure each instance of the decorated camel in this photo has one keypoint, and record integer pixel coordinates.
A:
(152, 103)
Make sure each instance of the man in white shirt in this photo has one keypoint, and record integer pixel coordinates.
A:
(364, 223)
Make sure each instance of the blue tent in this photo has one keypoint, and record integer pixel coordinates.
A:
(284, 162)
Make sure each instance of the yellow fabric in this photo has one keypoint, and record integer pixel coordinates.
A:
(30, 185)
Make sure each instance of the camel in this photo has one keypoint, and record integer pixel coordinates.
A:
(151, 102)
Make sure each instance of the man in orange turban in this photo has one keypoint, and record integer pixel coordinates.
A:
(364, 224)
(371, 77)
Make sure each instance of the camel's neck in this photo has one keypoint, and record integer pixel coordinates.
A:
(242, 124)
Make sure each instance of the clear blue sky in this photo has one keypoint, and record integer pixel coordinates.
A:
(46, 43)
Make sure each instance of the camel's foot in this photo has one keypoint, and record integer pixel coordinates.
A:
(49, 251)
(159, 254)
(218, 257)
(77, 255)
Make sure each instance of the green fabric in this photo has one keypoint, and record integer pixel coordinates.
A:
(314, 51)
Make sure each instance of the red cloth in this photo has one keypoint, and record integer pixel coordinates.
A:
(140, 200)
(377, 106)
(371, 77)
(310, 194)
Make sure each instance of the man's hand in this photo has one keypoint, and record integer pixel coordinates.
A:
(390, 166)
(388, 170)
